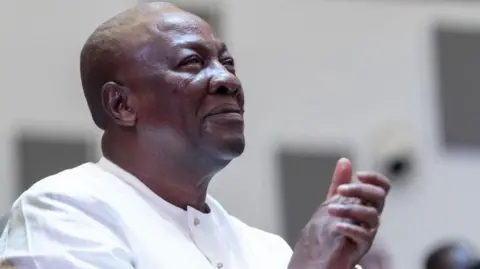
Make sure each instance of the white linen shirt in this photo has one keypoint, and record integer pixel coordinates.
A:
(98, 216)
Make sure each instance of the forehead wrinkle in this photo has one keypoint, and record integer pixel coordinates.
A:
(184, 37)
(182, 22)
(152, 54)
(178, 24)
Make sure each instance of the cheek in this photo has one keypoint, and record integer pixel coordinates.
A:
(187, 108)
(174, 111)
(152, 109)
(176, 100)
(189, 92)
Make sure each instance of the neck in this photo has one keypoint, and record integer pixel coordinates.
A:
(179, 178)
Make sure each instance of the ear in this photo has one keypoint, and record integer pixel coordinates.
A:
(118, 102)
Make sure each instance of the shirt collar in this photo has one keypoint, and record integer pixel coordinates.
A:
(159, 203)
(214, 223)
(110, 167)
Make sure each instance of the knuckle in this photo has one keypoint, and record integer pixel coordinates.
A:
(358, 189)
(385, 181)
(372, 211)
(347, 210)
(388, 185)
(381, 192)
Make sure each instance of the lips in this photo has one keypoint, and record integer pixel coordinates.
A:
(229, 112)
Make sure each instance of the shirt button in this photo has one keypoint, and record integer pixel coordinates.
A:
(196, 221)
(219, 265)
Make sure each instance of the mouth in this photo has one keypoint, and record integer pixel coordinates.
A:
(229, 113)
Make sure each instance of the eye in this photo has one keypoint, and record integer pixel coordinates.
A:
(192, 60)
(228, 62)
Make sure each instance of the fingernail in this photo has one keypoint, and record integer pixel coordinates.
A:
(336, 206)
(343, 187)
(363, 174)
(343, 160)
(342, 225)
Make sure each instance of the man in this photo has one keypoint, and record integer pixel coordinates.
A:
(452, 255)
(164, 90)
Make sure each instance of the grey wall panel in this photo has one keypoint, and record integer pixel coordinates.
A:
(305, 177)
(458, 81)
(39, 156)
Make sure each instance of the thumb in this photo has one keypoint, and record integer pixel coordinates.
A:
(341, 175)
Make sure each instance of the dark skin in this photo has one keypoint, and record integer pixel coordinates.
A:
(179, 118)
(343, 228)
(175, 118)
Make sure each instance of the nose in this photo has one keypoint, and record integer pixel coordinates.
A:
(224, 82)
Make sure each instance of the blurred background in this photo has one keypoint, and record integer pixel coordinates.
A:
(392, 85)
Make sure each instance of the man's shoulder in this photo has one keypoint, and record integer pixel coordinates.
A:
(81, 191)
(63, 211)
(70, 181)
(83, 183)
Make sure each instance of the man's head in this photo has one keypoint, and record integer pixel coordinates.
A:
(450, 256)
(159, 76)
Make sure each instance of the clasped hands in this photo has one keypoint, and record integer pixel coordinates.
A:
(343, 228)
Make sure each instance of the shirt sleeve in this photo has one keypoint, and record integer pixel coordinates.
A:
(48, 231)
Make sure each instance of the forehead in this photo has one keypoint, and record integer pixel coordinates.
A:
(183, 28)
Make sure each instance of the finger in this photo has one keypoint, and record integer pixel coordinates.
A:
(365, 215)
(341, 175)
(358, 234)
(368, 194)
(376, 179)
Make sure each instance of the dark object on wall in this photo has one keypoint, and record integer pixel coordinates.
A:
(458, 63)
(39, 156)
(305, 177)
(451, 254)
(474, 265)
(397, 167)
(394, 152)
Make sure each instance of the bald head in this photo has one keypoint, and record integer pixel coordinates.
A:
(110, 47)
(154, 75)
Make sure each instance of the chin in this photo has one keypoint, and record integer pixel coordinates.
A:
(226, 148)
(233, 150)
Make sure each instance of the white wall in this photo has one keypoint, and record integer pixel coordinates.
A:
(40, 43)
(314, 71)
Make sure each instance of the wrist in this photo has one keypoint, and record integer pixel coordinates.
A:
(340, 263)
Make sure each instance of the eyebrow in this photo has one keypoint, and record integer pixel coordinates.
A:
(223, 48)
(200, 45)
